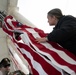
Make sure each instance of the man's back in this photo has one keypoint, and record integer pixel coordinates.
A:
(68, 26)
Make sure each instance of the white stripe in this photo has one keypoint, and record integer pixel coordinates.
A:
(9, 21)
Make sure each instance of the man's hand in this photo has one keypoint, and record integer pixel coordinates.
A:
(40, 40)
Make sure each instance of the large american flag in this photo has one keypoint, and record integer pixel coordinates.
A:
(44, 58)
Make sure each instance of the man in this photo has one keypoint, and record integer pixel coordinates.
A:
(64, 32)
(4, 66)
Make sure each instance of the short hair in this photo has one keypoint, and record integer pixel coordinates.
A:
(5, 62)
(55, 12)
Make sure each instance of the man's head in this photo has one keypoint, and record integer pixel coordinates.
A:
(54, 15)
(5, 64)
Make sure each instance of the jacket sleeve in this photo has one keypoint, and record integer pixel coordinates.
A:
(58, 35)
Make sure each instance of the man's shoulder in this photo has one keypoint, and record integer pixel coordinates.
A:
(70, 17)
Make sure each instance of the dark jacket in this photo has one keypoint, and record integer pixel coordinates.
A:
(64, 33)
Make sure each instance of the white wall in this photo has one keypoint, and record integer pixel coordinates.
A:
(3, 45)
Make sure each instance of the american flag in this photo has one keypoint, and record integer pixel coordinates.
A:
(44, 58)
